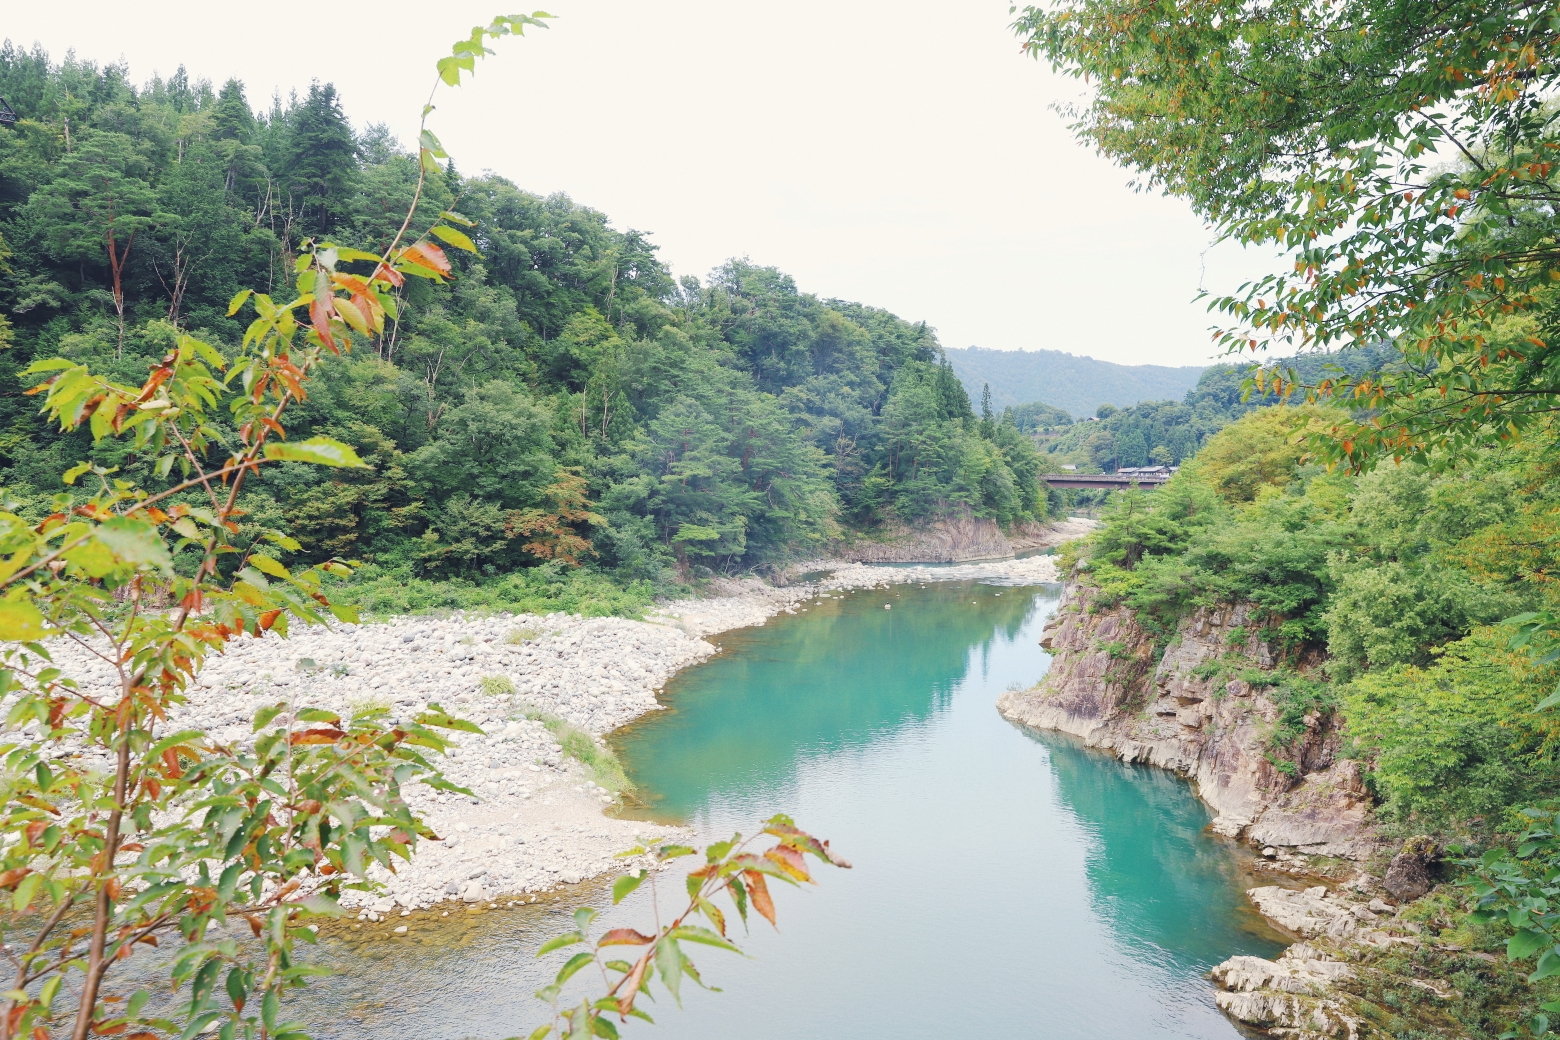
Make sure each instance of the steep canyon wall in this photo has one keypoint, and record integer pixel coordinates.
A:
(1191, 713)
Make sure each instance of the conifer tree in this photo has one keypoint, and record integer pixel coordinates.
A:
(321, 159)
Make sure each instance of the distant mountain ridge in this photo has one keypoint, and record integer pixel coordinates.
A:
(1078, 384)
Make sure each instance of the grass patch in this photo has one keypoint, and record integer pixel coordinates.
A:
(516, 636)
(603, 765)
(497, 685)
(384, 592)
(370, 704)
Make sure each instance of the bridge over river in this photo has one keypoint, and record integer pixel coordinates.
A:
(1107, 480)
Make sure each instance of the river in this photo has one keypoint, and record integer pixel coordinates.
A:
(1005, 883)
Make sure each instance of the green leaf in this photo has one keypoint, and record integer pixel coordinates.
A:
(626, 884)
(20, 620)
(573, 965)
(455, 238)
(583, 917)
(265, 715)
(669, 960)
(239, 299)
(1525, 943)
(559, 942)
(266, 565)
(135, 542)
(698, 934)
(1548, 965)
(431, 142)
(23, 896)
(541, 1032)
(321, 451)
(75, 471)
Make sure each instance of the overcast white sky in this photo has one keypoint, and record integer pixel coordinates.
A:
(898, 152)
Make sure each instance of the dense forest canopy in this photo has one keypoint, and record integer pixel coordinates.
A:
(564, 380)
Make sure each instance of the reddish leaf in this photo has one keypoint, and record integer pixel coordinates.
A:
(625, 937)
(386, 273)
(319, 317)
(10, 878)
(790, 861)
(319, 735)
(419, 255)
(758, 894)
(630, 986)
(441, 263)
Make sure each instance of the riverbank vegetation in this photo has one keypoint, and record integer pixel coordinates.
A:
(1398, 529)
(559, 400)
(1397, 579)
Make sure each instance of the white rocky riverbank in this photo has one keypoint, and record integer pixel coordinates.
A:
(537, 820)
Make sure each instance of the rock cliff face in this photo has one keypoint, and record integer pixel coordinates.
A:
(957, 539)
(1187, 714)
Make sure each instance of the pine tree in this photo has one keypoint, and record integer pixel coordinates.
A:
(321, 160)
(232, 120)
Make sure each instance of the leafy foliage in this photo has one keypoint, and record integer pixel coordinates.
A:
(731, 870)
(1329, 131)
(1457, 738)
(118, 831)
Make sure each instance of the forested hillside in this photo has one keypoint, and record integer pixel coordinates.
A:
(1398, 576)
(1075, 384)
(563, 398)
(1169, 432)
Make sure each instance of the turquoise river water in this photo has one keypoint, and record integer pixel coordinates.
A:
(1006, 883)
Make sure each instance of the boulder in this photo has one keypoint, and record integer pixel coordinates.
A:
(1408, 876)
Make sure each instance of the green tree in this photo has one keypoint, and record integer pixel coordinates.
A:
(97, 204)
(1401, 154)
(321, 161)
(1131, 448)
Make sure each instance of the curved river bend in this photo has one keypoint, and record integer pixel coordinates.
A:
(1005, 883)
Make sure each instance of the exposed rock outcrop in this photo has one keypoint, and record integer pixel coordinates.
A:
(1329, 985)
(1191, 713)
(958, 538)
(1293, 994)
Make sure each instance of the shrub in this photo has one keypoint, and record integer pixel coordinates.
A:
(497, 685)
(1457, 739)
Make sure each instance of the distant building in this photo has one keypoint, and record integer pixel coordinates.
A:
(1163, 472)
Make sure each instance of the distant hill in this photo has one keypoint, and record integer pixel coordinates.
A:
(1077, 384)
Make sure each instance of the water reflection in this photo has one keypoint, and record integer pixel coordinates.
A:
(1151, 857)
(844, 675)
(1006, 884)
